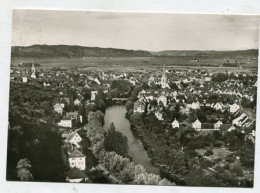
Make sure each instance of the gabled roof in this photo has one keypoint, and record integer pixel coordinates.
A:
(76, 153)
(69, 136)
(225, 127)
(196, 121)
(75, 173)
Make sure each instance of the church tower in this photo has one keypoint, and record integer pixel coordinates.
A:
(164, 78)
(33, 71)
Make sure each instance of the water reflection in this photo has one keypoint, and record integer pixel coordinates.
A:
(116, 114)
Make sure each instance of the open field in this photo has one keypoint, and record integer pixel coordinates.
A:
(217, 153)
(129, 64)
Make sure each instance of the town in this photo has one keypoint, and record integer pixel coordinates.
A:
(197, 125)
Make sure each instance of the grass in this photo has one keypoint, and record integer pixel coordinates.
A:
(130, 64)
(217, 153)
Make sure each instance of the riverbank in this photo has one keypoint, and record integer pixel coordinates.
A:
(137, 151)
(122, 168)
(163, 169)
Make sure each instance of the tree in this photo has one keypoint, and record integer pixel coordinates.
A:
(178, 163)
(165, 182)
(23, 167)
(115, 141)
(147, 179)
(129, 105)
(127, 174)
(208, 153)
(123, 86)
(100, 100)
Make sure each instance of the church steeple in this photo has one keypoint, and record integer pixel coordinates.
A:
(33, 71)
(164, 78)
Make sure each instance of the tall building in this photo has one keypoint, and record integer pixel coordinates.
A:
(164, 78)
(33, 71)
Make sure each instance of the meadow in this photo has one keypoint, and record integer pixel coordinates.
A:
(140, 64)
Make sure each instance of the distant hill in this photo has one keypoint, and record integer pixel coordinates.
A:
(194, 53)
(66, 51)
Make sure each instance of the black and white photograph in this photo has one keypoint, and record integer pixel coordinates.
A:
(133, 98)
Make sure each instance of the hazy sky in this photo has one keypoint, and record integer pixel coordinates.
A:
(142, 31)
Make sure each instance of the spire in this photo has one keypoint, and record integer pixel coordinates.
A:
(163, 68)
(33, 71)
(163, 79)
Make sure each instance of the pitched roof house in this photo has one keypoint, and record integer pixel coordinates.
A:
(196, 125)
(58, 107)
(73, 138)
(175, 124)
(75, 175)
(77, 159)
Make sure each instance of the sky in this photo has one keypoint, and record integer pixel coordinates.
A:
(137, 31)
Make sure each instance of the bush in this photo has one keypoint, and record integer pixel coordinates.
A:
(208, 153)
(206, 163)
(230, 159)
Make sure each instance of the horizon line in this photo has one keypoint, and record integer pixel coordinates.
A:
(227, 50)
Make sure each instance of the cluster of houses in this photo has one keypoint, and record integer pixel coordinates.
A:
(72, 157)
(69, 119)
(197, 93)
(193, 89)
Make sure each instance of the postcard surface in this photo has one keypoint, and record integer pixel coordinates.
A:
(133, 98)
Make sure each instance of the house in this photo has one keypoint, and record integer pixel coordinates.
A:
(239, 121)
(132, 81)
(75, 175)
(232, 128)
(93, 95)
(158, 115)
(193, 105)
(218, 124)
(72, 138)
(234, 108)
(58, 107)
(218, 106)
(251, 136)
(162, 99)
(72, 115)
(151, 80)
(97, 81)
(65, 122)
(208, 78)
(175, 124)
(77, 159)
(139, 107)
(255, 85)
(77, 102)
(196, 125)
(174, 93)
(24, 79)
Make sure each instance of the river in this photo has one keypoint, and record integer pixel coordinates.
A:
(116, 114)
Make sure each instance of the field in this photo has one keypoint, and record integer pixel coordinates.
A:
(217, 153)
(128, 64)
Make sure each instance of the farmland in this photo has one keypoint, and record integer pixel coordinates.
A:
(134, 63)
